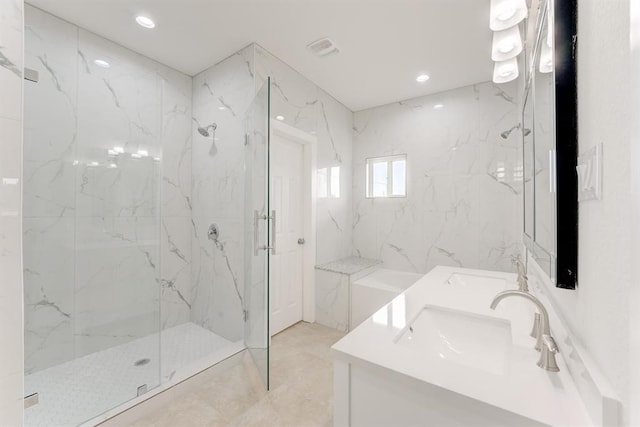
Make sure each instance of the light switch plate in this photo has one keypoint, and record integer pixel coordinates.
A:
(590, 174)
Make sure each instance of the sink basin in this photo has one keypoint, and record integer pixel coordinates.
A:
(459, 337)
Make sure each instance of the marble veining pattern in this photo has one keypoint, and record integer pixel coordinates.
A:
(307, 107)
(107, 208)
(464, 181)
(221, 95)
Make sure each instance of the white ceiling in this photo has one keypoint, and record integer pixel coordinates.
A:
(384, 44)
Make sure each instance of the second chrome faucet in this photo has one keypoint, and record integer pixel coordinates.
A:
(544, 341)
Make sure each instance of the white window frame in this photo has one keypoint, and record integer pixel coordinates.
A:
(369, 176)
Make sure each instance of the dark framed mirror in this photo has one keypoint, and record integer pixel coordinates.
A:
(550, 141)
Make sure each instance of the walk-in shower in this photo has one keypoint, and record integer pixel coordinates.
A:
(124, 293)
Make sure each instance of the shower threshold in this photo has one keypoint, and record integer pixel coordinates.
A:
(85, 389)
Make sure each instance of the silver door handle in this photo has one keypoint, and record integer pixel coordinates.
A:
(256, 234)
(256, 237)
(273, 230)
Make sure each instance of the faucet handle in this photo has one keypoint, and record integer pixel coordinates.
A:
(548, 354)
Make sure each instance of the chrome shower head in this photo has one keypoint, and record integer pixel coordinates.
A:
(506, 133)
(204, 131)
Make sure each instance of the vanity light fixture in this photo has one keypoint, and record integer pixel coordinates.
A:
(507, 13)
(145, 21)
(507, 44)
(422, 78)
(102, 63)
(505, 71)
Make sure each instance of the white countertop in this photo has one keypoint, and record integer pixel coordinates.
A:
(526, 389)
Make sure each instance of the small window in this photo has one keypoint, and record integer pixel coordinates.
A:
(387, 176)
(328, 183)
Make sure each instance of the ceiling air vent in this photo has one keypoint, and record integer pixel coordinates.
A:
(323, 47)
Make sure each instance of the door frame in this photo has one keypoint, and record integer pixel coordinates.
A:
(309, 145)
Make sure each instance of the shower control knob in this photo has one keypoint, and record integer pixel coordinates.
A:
(213, 232)
(301, 241)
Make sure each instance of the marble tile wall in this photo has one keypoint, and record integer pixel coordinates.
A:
(305, 106)
(464, 184)
(221, 95)
(309, 108)
(101, 249)
(11, 116)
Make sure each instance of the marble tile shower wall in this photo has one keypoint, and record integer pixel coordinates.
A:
(11, 337)
(221, 95)
(464, 182)
(307, 107)
(94, 228)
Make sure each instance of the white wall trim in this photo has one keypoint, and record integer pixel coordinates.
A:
(309, 143)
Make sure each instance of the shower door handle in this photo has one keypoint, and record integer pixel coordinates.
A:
(273, 231)
(256, 235)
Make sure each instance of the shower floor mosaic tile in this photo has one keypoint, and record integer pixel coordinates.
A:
(78, 390)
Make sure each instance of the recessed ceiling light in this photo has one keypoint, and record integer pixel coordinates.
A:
(438, 106)
(145, 21)
(102, 63)
(221, 108)
(422, 78)
(281, 118)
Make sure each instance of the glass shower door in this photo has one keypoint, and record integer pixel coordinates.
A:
(257, 222)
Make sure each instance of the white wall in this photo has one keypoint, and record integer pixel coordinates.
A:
(464, 190)
(634, 158)
(11, 331)
(598, 312)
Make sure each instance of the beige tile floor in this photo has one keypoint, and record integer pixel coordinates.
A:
(301, 388)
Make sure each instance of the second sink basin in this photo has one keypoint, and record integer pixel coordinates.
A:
(468, 339)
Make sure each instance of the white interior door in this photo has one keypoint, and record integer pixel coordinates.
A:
(286, 265)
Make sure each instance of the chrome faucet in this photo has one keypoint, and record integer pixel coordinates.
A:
(544, 341)
(523, 286)
(523, 280)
